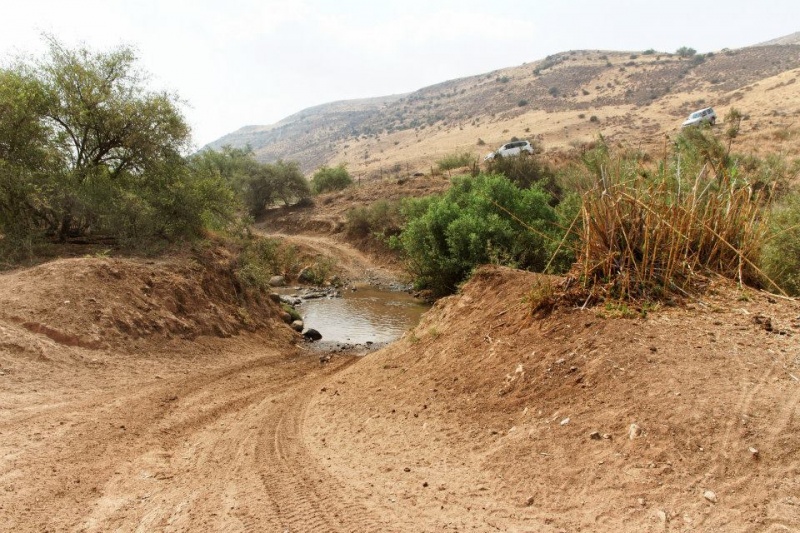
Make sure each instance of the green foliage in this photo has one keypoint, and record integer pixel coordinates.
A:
(455, 160)
(258, 260)
(525, 171)
(86, 149)
(292, 311)
(479, 220)
(381, 220)
(649, 52)
(685, 51)
(258, 185)
(328, 179)
(781, 254)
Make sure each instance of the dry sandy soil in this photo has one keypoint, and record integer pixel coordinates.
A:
(142, 396)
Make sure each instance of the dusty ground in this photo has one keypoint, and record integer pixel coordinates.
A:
(175, 408)
(480, 419)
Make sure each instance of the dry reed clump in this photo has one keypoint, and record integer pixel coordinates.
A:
(645, 238)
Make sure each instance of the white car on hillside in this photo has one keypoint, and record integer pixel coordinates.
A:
(701, 116)
(508, 149)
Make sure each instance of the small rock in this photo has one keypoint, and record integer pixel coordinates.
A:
(286, 317)
(297, 325)
(606, 436)
(529, 501)
(406, 469)
(662, 515)
(275, 297)
(277, 281)
(634, 431)
(312, 334)
(710, 495)
(642, 502)
(565, 421)
(753, 452)
(425, 484)
(595, 435)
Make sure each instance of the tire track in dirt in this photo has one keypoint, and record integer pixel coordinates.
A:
(217, 449)
(305, 496)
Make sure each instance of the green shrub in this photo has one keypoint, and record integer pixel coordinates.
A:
(381, 220)
(456, 160)
(328, 179)
(781, 254)
(525, 171)
(479, 220)
(685, 51)
(259, 260)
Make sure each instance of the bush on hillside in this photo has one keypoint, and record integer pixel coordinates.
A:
(455, 160)
(480, 219)
(329, 179)
(525, 171)
(381, 220)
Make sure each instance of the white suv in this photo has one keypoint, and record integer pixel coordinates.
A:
(706, 115)
(512, 148)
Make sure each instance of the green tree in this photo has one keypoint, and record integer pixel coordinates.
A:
(328, 179)
(258, 185)
(107, 127)
(86, 147)
(685, 51)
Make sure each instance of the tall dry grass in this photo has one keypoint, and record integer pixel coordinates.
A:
(645, 237)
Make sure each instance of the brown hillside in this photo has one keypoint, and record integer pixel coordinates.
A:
(635, 97)
(485, 418)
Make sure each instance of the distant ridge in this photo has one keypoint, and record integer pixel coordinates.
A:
(793, 38)
(562, 99)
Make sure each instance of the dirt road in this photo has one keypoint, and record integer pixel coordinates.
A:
(179, 445)
(133, 397)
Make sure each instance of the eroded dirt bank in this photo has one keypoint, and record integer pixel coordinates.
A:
(484, 418)
(169, 406)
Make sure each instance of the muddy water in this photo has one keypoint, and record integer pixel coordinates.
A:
(367, 315)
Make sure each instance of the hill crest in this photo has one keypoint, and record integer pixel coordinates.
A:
(562, 99)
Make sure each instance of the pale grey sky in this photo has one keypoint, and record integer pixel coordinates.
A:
(243, 62)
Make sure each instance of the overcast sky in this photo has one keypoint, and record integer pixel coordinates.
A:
(242, 62)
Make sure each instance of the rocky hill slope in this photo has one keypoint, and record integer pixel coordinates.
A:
(564, 99)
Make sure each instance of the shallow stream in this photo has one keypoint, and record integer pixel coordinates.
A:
(367, 316)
